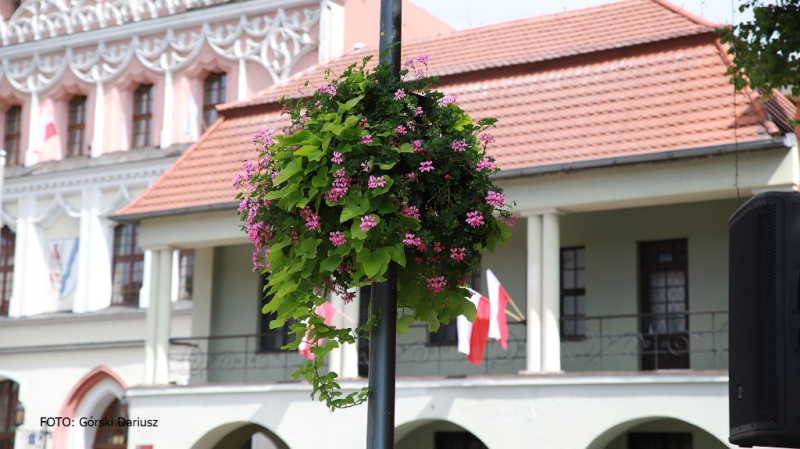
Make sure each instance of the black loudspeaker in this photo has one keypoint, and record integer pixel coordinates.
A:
(764, 326)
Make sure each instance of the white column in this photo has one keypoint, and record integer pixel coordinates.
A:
(96, 240)
(168, 111)
(202, 301)
(159, 315)
(35, 136)
(99, 120)
(20, 263)
(551, 307)
(241, 93)
(533, 328)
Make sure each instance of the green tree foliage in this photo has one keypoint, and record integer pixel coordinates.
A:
(765, 49)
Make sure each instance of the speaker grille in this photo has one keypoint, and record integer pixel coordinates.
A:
(753, 290)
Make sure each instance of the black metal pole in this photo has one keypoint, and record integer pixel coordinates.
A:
(383, 300)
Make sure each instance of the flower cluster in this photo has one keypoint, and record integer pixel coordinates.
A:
(371, 171)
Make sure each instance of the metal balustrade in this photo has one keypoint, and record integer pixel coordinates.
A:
(693, 340)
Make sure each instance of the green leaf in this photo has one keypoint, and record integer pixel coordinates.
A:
(276, 194)
(463, 121)
(309, 246)
(403, 322)
(351, 208)
(374, 263)
(356, 232)
(405, 148)
(321, 178)
(387, 165)
(409, 222)
(331, 263)
(306, 150)
(398, 254)
(333, 127)
(294, 166)
(351, 103)
(350, 121)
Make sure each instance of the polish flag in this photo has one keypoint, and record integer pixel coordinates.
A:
(48, 142)
(498, 301)
(327, 311)
(472, 337)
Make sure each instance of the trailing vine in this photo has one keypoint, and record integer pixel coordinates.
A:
(371, 170)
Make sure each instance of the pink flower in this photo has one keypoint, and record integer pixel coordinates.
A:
(237, 179)
(263, 136)
(420, 73)
(411, 212)
(410, 125)
(327, 89)
(409, 240)
(400, 129)
(366, 139)
(375, 182)
(486, 138)
(509, 221)
(485, 164)
(459, 145)
(337, 157)
(412, 176)
(474, 218)
(416, 146)
(363, 122)
(457, 254)
(294, 238)
(409, 62)
(425, 166)
(495, 199)
(422, 58)
(447, 99)
(400, 94)
(367, 223)
(337, 238)
(436, 284)
(364, 167)
(312, 219)
(438, 247)
(341, 184)
(418, 111)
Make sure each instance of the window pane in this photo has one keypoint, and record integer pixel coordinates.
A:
(569, 280)
(568, 259)
(580, 281)
(568, 308)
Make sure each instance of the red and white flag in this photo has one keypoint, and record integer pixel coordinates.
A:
(327, 311)
(498, 301)
(472, 337)
(490, 321)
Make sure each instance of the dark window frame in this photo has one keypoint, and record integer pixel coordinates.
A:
(12, 141)
(112, 437)
(142, 95)
(7, 248)
(186, 260)
(577, 319)
(127, 252)
(457, 440)
(76, 126)
(666, 440)
(9, 397)
(214, 93)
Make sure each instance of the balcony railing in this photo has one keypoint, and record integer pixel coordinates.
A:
(696, 340)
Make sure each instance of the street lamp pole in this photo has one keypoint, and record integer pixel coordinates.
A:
(383, 300)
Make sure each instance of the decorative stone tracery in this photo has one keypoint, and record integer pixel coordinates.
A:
(275, 40)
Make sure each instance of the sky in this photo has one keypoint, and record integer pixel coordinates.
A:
(461, 14)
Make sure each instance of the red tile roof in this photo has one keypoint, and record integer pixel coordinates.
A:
(629, 78)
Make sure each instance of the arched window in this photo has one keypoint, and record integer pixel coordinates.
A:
(142, 116)
(114, 437)
(128, 266)
(13, 135)
(213, 94)
(9, 395)
(76, 128)
(7, 238)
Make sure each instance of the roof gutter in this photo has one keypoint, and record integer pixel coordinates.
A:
(774, 142)
(716, 150)
(136, 218)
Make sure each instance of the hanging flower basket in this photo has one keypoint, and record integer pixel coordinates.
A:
(371, 171)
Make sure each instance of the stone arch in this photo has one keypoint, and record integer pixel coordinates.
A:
(611, 437)
(92, 393)
(235, 434)
(420, 434)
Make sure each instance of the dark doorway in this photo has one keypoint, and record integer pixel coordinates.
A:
(664, 302)
(660, 441)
